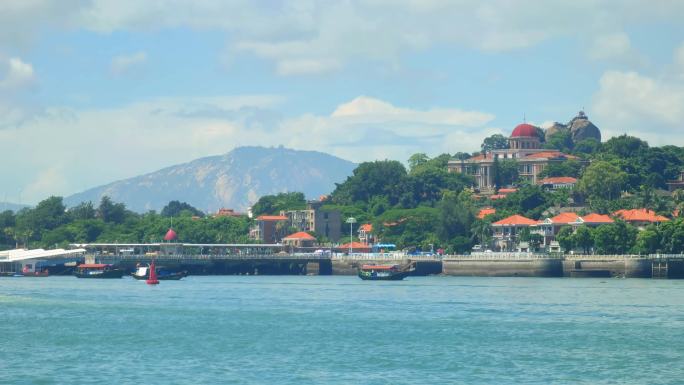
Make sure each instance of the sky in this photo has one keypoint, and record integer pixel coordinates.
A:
(93, 91)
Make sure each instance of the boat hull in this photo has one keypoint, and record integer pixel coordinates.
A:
(163, 277)
(116, 273)
(398, 276)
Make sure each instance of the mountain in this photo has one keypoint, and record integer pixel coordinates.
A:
(11, 206)
(235, 180)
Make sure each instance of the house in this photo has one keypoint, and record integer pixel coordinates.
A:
(366, 233)
(485, 212)
(558, 182)
(507, 230)
(299, 239)
(227, 213)
(640, 217)
(327, 223)
(549, 227)
(269, 228)
(678, 183)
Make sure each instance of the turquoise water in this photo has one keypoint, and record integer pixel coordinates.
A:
(341, 330)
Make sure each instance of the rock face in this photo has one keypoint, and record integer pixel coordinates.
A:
(554, 129)
(235, 180)
(581, 128)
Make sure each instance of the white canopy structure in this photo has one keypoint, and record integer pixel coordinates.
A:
(17, 255)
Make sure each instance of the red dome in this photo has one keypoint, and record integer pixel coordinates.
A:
(170, 235)
(524, 130)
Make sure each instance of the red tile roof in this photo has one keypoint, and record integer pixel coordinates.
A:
(515, 220)
(507, 190)
(640, 215)
(301, 235)
(549, 154)
(559, 180)
(497, 196)
(367, 227)
(565, 218)
(272, 218)
(597, 218)
(486, 211)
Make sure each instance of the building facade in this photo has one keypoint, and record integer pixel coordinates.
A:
(524, 148)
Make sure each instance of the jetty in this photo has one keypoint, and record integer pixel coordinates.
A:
(279, 259)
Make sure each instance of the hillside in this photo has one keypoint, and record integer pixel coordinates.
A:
(234, 180)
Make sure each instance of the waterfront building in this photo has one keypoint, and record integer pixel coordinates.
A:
(355, 247)
(549, 227)
(299, 239)
(366, 233)
(559, 182)
(269, 228)
(314, 218)
(507, 230)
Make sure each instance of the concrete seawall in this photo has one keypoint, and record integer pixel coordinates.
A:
(534, 267)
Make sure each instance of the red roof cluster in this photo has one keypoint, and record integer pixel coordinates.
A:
(640, 215)
(170, 235)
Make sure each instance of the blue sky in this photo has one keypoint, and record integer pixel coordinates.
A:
(93, 91)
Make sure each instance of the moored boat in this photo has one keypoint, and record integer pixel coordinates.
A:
(384, 272)
(98, 270)
(143, 273)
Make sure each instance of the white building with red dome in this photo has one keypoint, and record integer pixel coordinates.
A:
(524, 147)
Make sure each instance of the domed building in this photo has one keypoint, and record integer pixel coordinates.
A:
(524, 147)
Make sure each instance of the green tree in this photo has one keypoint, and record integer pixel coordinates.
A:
(602, 180)
(273, 204)
(494, 142)
(175, 208)
(583, 238)
(112, 212)
(565, 238)
(561, 141)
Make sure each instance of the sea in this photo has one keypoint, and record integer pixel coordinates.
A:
(341, 330)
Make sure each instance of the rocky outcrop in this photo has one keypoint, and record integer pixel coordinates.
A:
(582, 128)
(554, 129)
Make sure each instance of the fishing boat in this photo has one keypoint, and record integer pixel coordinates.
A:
(384, 272)
(98, 270)
(143, 273)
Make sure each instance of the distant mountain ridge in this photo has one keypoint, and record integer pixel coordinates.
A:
(11, 206)
(234, 180)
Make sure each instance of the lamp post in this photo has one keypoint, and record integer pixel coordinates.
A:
(351, 221)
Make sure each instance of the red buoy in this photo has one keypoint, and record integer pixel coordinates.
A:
(152, 278)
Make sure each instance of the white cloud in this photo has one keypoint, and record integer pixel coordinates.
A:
(642, 106)
(84, 148)
(125, 63)
(610, 46)
(16, 73)
(313, 37)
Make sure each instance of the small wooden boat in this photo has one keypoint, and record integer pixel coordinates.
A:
(143, 273)
(98, 270)
(384, 272)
